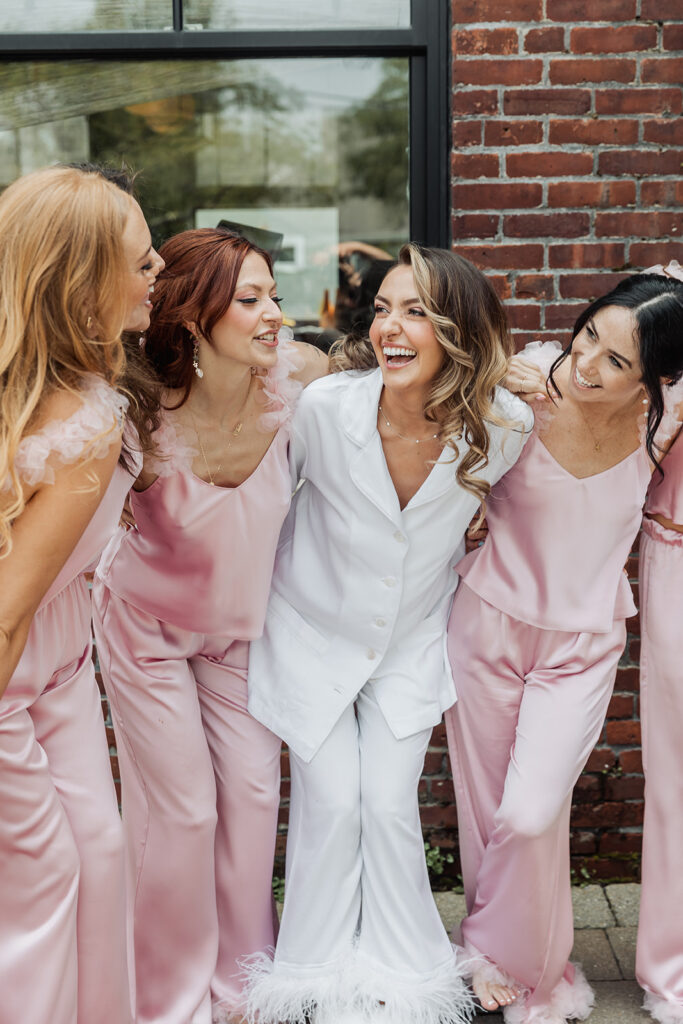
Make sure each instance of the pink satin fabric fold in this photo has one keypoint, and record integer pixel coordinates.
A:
(659, 957)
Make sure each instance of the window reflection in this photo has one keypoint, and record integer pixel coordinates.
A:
(85, 15)
(296, 14)
(311, 149)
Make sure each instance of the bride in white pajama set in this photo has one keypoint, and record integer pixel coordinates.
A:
(351, 669)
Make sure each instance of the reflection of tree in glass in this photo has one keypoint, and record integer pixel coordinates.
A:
(375, 136)
(162, 137)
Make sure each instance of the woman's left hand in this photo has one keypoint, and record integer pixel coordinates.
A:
(526, 380)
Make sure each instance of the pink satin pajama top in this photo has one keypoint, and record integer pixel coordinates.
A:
(557, 545)
(201, 557)
(665, 496)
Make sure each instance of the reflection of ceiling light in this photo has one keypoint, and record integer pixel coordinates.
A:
(166, 117)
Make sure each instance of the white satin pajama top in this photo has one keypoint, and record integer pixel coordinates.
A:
(361, 588)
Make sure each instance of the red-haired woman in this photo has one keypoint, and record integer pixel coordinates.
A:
(177, 599)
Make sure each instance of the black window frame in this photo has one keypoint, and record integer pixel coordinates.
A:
(425, 43)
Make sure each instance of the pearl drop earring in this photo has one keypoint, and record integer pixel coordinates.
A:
(195, 359)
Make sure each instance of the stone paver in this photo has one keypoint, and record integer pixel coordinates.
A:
(625, 901)
(618, 1002)
(623, 942)
(594, 952)
(451, 906)
(591, 909)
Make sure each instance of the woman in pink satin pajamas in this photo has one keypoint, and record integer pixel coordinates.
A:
(659, 954)
(177, 598)
(77, 266)
(535, 635)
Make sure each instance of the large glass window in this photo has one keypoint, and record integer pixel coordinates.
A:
(85, 15)
(303, 15)
(320, 126)
(313, 152)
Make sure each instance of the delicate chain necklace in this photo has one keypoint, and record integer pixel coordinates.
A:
(413, 440)
(596, 441)
(235, 432)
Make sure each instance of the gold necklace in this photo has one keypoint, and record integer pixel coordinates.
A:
(235, 432)
(413, 440)
(596, 441)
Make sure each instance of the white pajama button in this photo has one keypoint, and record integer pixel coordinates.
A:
(399, 537)
(389, 581)
(380, 622)
(371, 654)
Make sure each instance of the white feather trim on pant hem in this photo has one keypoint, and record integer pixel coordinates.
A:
(666, 1011)
(275, 993)
(567, 1002)
(402, 997)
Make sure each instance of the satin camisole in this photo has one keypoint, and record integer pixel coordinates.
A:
(557, 544)
(201, 557)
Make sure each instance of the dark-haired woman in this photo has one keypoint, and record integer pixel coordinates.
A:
(351, 669)
(659, 959)
(536, 632)
(176, 600)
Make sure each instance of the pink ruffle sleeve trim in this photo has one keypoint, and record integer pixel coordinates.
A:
(542, 353)
(174, 452)
(88, 431)
(280, 394)
(280, 390)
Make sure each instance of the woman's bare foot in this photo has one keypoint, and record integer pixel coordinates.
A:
(492, 994)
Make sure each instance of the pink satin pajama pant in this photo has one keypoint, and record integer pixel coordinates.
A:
(659, 959)
(200, 780)
(62, 906)
(531, 704)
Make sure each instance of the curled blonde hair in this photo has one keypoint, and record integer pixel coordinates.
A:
(470, 325)
(62, 266)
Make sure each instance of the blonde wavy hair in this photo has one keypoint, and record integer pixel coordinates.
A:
(62, 266)
(470, 325)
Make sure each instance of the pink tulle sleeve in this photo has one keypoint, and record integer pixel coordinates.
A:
(542, 353)
(280, 390)
(174, 453)
(672, 269)
(88, 432)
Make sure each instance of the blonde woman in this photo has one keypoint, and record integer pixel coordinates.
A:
(76, 267)
(351, 670)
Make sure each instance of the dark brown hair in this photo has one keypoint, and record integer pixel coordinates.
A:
(196, 286)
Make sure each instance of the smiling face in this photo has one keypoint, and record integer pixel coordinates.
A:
(605, 364)
(247, 331)
(144, 265)
(402, 336)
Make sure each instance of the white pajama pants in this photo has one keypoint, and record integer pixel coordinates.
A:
(659, 958)
(531, 706)
(360, 926)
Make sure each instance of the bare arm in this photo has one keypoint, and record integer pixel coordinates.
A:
(315, 363)
(43, 537)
